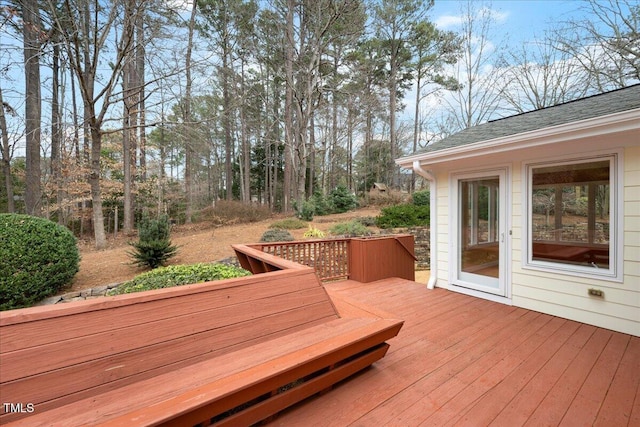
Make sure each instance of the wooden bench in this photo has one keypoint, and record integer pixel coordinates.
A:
(232, 352)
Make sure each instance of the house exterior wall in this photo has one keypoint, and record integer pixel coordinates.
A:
(566, 295)
(555, 293)
(442, 180)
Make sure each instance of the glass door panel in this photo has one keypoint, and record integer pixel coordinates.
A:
(480, 233)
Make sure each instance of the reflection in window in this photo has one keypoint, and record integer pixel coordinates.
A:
(571, 213)
(479, 226)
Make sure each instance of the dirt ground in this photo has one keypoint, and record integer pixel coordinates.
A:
(200, 242)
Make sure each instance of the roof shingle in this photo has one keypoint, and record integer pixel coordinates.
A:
(616, 101)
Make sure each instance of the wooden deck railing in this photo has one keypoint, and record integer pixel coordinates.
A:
(361, 259)
(330, 258)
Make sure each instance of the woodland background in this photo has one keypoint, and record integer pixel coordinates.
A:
(112, 109)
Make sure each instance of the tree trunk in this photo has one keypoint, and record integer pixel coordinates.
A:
(96, 192)
(416, 126)
(76, 125)
(392, 123)
(140, 85)
(227, 130)
(312, 156)
(350, 126)
(127, 130)
(275, 152)
(129, 89)
(56, 137)
(288, 109)
(246, 145)
(6, 158)
(33, 108)
(187, 121)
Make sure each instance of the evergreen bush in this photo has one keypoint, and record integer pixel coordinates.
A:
(421, 198)
(176, 275)
(350, 229)
(276, 235)
(305, 211)
(153, 247)
(37, 258)
(321, 206)
(342, 200)
(407, 215)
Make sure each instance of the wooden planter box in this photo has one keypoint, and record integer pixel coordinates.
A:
(378, 258)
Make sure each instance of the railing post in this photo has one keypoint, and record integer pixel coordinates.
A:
(349, 259)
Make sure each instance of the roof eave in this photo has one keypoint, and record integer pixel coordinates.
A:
(611, 123)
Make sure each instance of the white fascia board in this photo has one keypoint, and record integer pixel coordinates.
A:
(613, 123)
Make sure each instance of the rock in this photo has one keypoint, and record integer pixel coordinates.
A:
(50, 300)
(99, 290)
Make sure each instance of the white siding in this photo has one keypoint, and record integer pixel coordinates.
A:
(553, 292)
(443, 229)
(567, 296)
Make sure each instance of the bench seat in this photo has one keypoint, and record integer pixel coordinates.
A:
(236, 351)
(207, 389)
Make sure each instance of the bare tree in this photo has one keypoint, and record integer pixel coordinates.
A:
(607, 44)
(478, 100)
(86, 27)
(538, 75)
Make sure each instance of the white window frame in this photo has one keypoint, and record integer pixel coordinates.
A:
(616, 219)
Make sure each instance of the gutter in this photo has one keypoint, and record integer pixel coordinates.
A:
(433, 235)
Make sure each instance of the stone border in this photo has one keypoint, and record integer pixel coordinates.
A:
(84, 294)
(101, 291)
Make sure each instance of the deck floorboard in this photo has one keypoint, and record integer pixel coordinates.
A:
(460, 360)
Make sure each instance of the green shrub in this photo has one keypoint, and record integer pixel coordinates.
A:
(176, 275)
(321, 206)
(407, 215)
(350, 229)
(289, 224)
(276, 235)
(154, 247)
(342, 200)
(305, 211)
(421, 198)
(37, 259)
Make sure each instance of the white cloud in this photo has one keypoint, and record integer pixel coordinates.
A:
(448, 21)
(498, 17)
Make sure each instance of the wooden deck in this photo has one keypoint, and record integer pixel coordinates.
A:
(461, 360)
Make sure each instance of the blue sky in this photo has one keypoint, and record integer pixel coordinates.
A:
(518, 19)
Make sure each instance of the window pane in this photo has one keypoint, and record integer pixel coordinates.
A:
(479, 226)
(570, 213)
